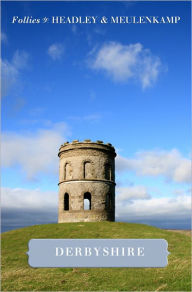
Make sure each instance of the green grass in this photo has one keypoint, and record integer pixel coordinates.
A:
(17, 275)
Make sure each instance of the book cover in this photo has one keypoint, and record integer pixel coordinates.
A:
(95, 139)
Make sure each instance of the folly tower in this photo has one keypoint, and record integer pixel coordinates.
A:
(86, 182)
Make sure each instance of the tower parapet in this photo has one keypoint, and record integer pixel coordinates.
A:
(86, 181)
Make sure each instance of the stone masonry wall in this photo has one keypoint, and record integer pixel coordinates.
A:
(86, 169)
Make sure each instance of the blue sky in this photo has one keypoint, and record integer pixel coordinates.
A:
(127, 84)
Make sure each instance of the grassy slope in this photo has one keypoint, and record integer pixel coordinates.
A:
(17, 275)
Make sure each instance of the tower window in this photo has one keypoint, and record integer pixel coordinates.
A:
(66, 202)
(107, 171)
(108, 202)
(87, 201)
(67, 171)
(87, 171)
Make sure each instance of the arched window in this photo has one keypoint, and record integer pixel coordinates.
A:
(67, 171)
(87, 201)
(87, 170)
(66, 202)
(107, 171)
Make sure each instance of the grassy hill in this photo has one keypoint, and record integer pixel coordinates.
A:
(18, 276)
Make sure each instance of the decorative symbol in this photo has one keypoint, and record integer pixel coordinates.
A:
(45, 19)
(104, 19)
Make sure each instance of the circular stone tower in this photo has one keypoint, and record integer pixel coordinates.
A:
(86, 182)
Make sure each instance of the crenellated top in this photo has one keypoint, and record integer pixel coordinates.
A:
(87, 144)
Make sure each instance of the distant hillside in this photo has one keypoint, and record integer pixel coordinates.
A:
(18, 276)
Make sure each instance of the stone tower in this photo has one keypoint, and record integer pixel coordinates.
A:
(86, 182)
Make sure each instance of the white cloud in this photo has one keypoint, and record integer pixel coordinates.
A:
(132, 192)
(55, 51)
(170, 164)
(136, 205)
(10, 70)
(125, 62)
(155, 208)
(19, 198)
(34, 152)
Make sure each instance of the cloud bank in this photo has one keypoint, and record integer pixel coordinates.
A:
(133, 204)
(132, 192)
(125, 62)
(19, 198)
(162, 212)
(169, 164)
(34, 152)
